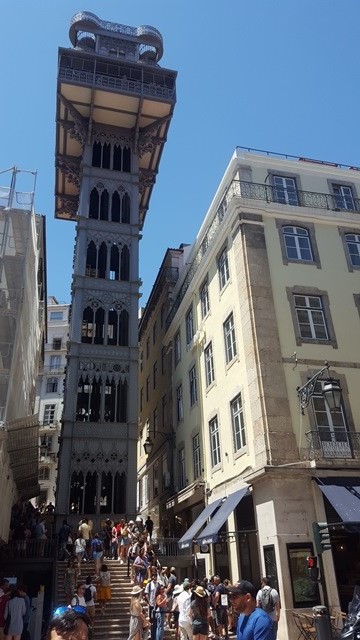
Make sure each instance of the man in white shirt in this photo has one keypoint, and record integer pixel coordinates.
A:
(183, 603)
(269, 600)
(150, 596)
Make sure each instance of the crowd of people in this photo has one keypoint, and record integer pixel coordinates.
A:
(14, 611)
(29, 525)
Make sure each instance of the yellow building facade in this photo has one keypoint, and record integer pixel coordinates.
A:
(271, 292)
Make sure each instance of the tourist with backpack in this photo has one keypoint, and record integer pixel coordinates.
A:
(268, 600)
(97, 549)
(78, 597)
(90, 597)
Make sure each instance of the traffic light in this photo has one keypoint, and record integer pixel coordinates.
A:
(321, 537)
(313, 568)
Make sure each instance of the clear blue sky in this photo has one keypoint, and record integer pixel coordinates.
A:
(281, 75)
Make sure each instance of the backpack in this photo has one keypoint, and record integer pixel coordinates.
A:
(88, 593)
(98, 545)
(266, 600)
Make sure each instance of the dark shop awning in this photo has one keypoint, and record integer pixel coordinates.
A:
(210, 533)
(344, 495)
(186, 540)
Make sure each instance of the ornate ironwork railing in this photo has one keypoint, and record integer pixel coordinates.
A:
(269, 194)
(112, 82)
(20, 549)
(333, 443)
(168, 547)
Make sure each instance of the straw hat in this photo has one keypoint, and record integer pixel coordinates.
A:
(200, 591)
(136, 591)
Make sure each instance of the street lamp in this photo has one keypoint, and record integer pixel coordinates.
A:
(149, 444)
(331, 390)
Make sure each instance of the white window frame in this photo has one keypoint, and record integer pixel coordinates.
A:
(353, 239)
(311, 312)
(214, 442)
(56, 315)
(44, 474)
(230, 338)
(209, 365)
(196, 456)
(189, 323)
(49, 414)
(285, 190)
(238, 423)
(297, 234)
(55, 363)
(343, 197)
(193, 386)
(204, 299)
(54, 383)
(179, 404)
(223, 268)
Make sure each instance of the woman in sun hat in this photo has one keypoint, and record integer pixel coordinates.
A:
(199, 613)
(136, 614)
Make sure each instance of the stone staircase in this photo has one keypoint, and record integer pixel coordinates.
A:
(114, 624)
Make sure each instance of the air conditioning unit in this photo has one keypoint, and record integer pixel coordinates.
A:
(167, 479)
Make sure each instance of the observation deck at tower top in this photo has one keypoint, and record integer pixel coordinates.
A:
(110, 80)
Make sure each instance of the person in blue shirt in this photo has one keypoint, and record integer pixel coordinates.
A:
(253, 623)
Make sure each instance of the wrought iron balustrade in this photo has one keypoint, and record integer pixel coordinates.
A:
(21, 549)
(168, 547)
(295, 197)
(95, 79)
(333, 443)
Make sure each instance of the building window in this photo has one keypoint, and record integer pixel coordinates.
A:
(209, 365)
(56, 315)
(214, 442)
(223, 268)
(56, 345)
(52, 385)
(141, 398)
(47, 441)
(179, 403)
(310, 317)
(285, 191)
(163, 411)
(44, 473)
(343, 197)
(156, 421)
(155, 374)
(238, 426)
(331, 426)
(156, 479)
(55, 363)
(163, 315)
(297, 243)
(204, 300)
(49, 413)
(177, 348)
(147, 389)
(182, 475)
(229, 337)
(147, 348)
(141, 360)
(353, 247)
(196, 456)
(154, 332)
(193, 386)
(189, 326)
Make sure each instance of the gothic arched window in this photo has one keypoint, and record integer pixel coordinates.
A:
(96, 154)
(124, 329)
(87, 329)
(125, 209)
(110, 398)
(94, 204)
(125, 263)
(113, 321)
(83, 399)
(106, 491)
(76, 492)
(119, 493)
(104, 205)
(95, 401)
(90, 492)
(102, 257)
(99, 326)
(91, 260)
(115, 207)
(121, 409)
(126, 163)
(114, 263)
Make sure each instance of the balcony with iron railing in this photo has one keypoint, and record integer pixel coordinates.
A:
(272, 195)
(335, 444)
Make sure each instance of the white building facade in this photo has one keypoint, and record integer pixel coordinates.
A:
(50, 397)
(271, 291)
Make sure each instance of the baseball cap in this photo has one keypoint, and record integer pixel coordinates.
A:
(243, 587)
